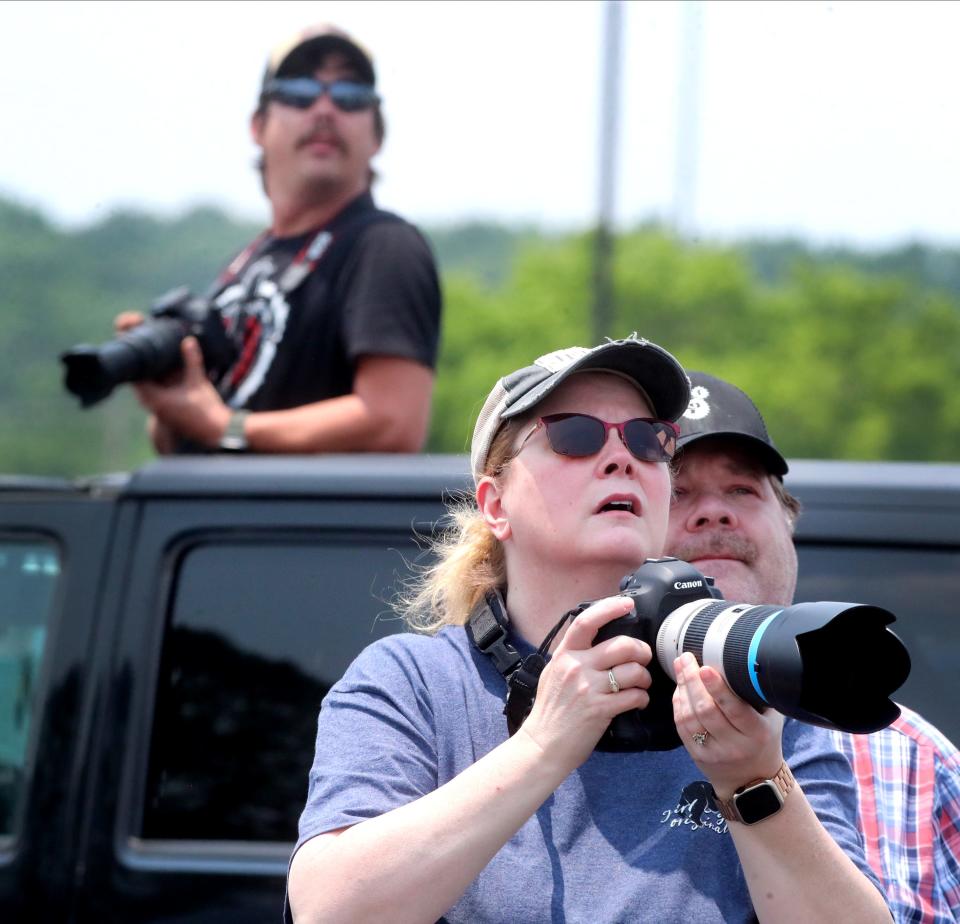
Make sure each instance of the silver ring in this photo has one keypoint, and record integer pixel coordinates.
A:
(612, 680)
(700, 737)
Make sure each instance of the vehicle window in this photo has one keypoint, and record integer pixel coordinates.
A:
(921, 588)
(256, 636)
(28, 576)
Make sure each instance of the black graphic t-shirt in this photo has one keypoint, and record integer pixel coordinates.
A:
(373, 292)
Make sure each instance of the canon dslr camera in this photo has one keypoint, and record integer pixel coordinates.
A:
(150, 350)
(830, 664)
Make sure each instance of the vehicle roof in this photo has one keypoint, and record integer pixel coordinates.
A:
(895, 484)
(36, 485)
(889, 484)
(346, 475)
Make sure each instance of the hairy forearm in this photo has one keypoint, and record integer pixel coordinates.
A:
(797, 873)
(388, 411)
(413, 863)
(344, 424)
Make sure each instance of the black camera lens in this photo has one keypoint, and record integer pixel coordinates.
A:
(149, 351)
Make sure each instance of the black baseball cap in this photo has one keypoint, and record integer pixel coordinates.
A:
(719, 408)
(649, 367)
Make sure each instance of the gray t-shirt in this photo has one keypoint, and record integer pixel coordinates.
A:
(626, 837)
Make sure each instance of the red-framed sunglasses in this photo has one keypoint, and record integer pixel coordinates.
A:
(579, 435)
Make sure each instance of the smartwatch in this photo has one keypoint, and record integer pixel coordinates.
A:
(234, 438)
(758, 799)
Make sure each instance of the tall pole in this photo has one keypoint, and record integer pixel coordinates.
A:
(688, 120)
(607, 169)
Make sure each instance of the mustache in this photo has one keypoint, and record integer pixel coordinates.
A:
(324, 133)
(717, 546)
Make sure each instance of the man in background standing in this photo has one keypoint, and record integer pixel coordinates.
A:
(333, 313)
(733, 519)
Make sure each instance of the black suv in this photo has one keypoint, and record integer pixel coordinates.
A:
(166, 639)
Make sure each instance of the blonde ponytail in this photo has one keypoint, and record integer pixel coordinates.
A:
(469, 558)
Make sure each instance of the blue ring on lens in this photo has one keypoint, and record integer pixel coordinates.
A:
(752, 654)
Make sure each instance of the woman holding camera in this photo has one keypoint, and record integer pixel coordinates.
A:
(422, 807)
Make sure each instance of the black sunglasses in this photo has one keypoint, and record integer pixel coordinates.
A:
(579, 435)
(303, 92)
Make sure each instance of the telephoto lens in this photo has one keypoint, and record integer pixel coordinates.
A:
(827, 663)
(830, 664)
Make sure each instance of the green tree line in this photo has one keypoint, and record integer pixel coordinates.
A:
(849, 354)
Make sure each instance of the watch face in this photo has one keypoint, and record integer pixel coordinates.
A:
(759, 802)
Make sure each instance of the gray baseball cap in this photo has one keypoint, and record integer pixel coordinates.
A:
(719, 408)
(649, 367)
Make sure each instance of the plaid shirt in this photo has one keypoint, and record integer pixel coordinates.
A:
(908, 781)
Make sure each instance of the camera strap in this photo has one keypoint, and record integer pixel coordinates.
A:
(306, 260)
(487, 628)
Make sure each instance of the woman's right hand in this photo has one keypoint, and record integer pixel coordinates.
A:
(575, 697)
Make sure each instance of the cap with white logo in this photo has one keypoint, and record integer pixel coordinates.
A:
(718, 408)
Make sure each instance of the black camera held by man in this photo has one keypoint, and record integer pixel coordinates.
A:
(150, 350)
(830, 664)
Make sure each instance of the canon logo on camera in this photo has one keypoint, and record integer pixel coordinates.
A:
(686, 585)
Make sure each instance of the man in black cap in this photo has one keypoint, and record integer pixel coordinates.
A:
(333, 313)
(733, 518)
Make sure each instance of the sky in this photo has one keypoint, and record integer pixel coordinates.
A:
(835, 122)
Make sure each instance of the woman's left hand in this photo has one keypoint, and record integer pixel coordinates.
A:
(727, 738)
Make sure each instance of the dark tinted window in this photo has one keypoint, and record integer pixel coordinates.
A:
(256, 636)
(922, 589)
(28, 576)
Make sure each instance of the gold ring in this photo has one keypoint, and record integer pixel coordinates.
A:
(612, 680)
(700, 737)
